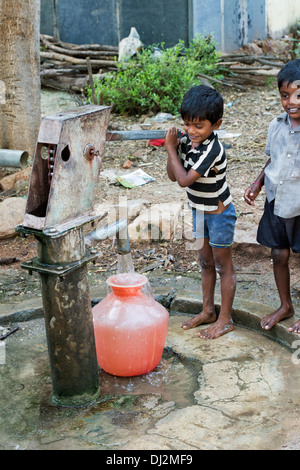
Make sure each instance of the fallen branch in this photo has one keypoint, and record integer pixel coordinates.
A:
(7, 261)
(250, 59)
(222, 82)
(255, 71)
(78, 47)
(75, 60)
(99, 53)
(53, 73)
(9, 333)
(91, 80)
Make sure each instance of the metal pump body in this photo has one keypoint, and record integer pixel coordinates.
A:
(63, 182)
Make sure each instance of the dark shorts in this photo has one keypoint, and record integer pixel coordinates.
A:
(278, 232)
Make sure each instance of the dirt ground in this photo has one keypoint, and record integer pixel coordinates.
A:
(249, 116)
(247, 113)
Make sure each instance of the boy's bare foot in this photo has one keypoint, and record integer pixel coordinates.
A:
(199, 319)
(295, 327)
(216, 330)
(272, 319)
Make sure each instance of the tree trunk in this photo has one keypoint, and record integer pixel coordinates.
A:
(20, 108)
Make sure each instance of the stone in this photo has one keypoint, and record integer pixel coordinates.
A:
(12, 212)
(245, 238)
(9, 181)
(159, 222)
(125, 209)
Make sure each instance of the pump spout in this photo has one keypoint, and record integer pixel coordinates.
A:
(119, 229)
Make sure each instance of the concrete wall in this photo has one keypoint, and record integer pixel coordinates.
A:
(80, 21)
(232, 22)
(108, 21)
(281, 15)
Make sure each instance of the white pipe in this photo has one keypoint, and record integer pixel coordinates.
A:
(13, 158)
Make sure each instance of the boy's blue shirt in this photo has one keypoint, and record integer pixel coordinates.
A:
(282, 175)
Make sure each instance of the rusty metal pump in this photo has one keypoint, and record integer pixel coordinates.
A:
(63, 182)
(62, 187)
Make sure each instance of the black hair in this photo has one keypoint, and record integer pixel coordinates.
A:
(289, 73)
(202, 102)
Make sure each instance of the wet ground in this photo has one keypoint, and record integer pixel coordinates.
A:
(240, 391)
(228, 394)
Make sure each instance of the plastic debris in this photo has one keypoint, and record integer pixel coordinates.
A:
(130, 45)
(157, 142)
(136, 178)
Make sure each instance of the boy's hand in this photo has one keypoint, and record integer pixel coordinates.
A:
(251, 193)
(171, 140)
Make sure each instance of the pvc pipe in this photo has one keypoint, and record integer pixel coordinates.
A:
(13, 158)
(107, 231)
(119, 229)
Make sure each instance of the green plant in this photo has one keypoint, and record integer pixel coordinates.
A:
(203, 49)
(147, 83)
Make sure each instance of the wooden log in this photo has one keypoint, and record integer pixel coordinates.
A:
(9, 181)
(261, 72)
(76, 84)
(250, 59)
(75, 60)
(91, 80)
(56, 65)
(8, 261)
(54, 72)
(222, 82)
(237, 67)
(99, 53)
(78, 47)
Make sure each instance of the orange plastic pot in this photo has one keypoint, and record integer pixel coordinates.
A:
(126, 285)
(130, 327)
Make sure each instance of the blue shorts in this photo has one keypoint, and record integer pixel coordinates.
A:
(219, 228)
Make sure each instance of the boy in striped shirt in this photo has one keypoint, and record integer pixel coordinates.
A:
(197, 162)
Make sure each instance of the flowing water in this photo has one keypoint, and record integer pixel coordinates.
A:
(125, 263)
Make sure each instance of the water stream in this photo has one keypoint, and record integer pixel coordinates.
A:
(125, 263)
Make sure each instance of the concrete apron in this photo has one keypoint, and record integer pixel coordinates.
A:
(240, 391)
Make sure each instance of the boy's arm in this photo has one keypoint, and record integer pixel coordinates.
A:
(175, 170)
(253, 191)
(170, 171)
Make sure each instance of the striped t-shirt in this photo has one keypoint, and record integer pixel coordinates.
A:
(209, 160)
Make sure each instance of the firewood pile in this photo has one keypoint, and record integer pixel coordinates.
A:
(68, 66)
(243, 69)
(257, 62)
